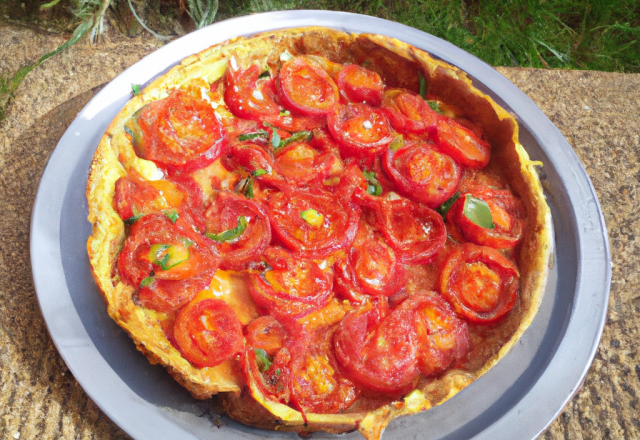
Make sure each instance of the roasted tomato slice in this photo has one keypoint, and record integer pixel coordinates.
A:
(358, 84)
(360, 130)
(248, 245)
(306, 88)
(507, 213)
(423, 174)
(415, 232)
(180, 131)
(299, 163)
(265, 333)
(317, 385)
(208, 332)
(168, 264)
(479, 282)
(295, 289)
(462, 144)
(408, 112)
(377, 349)
(443, 337)
(371, 267)
(312, 222)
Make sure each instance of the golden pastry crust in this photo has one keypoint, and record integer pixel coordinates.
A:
(397, 64)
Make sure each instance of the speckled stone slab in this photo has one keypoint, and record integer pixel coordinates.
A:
(39, 399)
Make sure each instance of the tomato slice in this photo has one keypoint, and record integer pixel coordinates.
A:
(208, 332)
(265, 333)
(423, 174)
(223, 214)
(360, 130)
(415, 232)
(169, 288)
(333, 228)
(507, 213)
(408, 112)
(371, 267)
(179, 132)
(377, 349)
(300, 164)
(293, 291)
(359, 84)
(306, 88)
(479, 282)
(462, 144)
(135, 197)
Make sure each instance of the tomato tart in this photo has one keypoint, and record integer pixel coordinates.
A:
(325, 230)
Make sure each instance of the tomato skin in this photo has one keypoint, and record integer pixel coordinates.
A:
(360, 130)
(223, 214)
(165, 295)
(423, 174)
(495, 277)
(265, 333)
(300, 164)
(408, 112)
(415, 232)
(358, 84)
(180, 132)
(507, 212)
(202, 345)
(133, 193)
(306, 88)
(340, 222)
(462, 144)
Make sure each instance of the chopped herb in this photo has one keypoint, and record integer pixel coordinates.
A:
(171, 214)
(131, 220)
(275, 137)
(265, 74)
(373, 186)
(423, 86)
(186, 242)
(146, 282)
(231, 234)
(128, 130)
(167, 256)
(248, 189)
(262, 359)
(304, 136)
(285, 112)
(397, 143)
(278, 372)
(446, 206)
(260, 172)
(435, 106)
(257, 134)
(136, 89)
(312, 217)
(478, 212)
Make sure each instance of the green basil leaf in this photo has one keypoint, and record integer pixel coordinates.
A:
(435, 106)
(250, 136)
(132, 220)
(397, 143)
(146, 282)
(262, 359)
(265, 74)
(128, 130)
(275, 137)
(136, 89)
(312, 217)
(186, 242)
(284, 112)
(171, 214)
(373, 187)
(478, 212)
(260, 172)
(446, 206)
(231, 234)
(304, 136)
(423, 86)
(278, 372)
(248, 189)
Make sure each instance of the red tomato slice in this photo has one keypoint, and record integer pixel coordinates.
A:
(479, 282)
(222, 215)
(408, 112)
(358, 84)
(300, 164)
(170, 289)
(443, 337)
(371, 267)
(423, 174)
(180, 132)
(334, 229)
(462, 144)
(292, 292)
(208, 332)
(317, 385)
(306, 88)
(415, 232)
(377, 350)
(360, 130)
(265, 333)
(135, 196)
(507, 213)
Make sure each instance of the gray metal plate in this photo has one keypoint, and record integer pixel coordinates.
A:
(517, 399)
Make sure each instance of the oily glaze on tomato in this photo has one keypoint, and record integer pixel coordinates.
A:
(360, 130)
(507, 213)
(223, 214)
(208, 332)
(358, 84)
(422, 173)
(462, 144)
(408, 112)
(479, 282)
(165, 290)
(370, 268)
(300, 164)
(180, 131)
(415, 232)
(334, 229)
(306, 88)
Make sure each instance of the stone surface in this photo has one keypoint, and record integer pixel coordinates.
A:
(39, 398)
